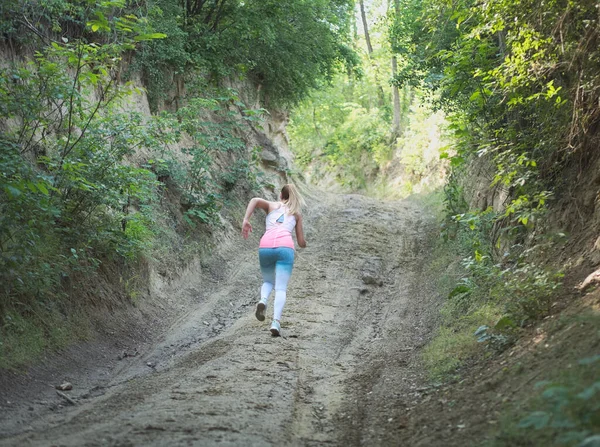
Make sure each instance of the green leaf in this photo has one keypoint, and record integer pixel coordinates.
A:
(459, 290)
(151, 36)
(478, 256)
(589, 360)
(481, 330)
(504, 323)
(13, 191)
(572, 436)
(537, 420)
(456, 161)
(31, 187)
(589, 392)
(555, 392)
(113, 4)
(42, 187)
(592, 441)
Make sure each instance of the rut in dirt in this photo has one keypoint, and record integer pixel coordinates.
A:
(345, 370)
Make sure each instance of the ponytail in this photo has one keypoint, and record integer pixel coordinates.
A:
(292, 199)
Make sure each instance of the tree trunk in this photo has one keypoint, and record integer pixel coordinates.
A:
(396, 96)
(363, 15)
(395, 93)
(380, 93)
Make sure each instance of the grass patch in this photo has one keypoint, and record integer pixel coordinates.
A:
(455, 341)
(26, 336)
(446, 352)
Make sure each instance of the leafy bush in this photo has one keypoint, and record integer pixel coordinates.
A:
(564, 412)
(66, 193)
(491, 300)
(71, 197)
(498, 70)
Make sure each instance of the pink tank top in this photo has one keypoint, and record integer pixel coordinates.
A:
(279, 227)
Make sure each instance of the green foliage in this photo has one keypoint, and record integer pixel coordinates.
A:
(285, 47)
(490, 297)
(517, 283)
(419, 148)
(343, 131)
(497, 69)
(65, 194)
(359, 145)
(351, 140)
(209, 131)
(30, 330)
(520, 90)
(72, 196)
(565, 410)
(109, 22)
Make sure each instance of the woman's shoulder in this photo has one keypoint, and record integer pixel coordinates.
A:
(274, 206)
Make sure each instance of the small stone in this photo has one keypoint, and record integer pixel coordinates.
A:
(369, 278)
(66, 386)
(268, 157)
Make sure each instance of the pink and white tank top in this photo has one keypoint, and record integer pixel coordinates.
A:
(279, 227)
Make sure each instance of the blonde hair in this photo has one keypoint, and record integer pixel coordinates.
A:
(292, 199)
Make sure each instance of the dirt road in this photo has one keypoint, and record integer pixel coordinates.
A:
(345, 371)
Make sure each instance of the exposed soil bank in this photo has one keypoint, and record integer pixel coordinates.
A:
(345, 370)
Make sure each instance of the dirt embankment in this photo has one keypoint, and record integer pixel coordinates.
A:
(345, 370)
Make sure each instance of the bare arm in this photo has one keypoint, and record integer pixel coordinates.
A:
(254, 203)
(300, 232)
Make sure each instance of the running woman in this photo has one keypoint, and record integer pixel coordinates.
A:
(276, 249)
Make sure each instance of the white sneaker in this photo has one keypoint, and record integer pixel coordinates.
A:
(275, 328)
(260, 309)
